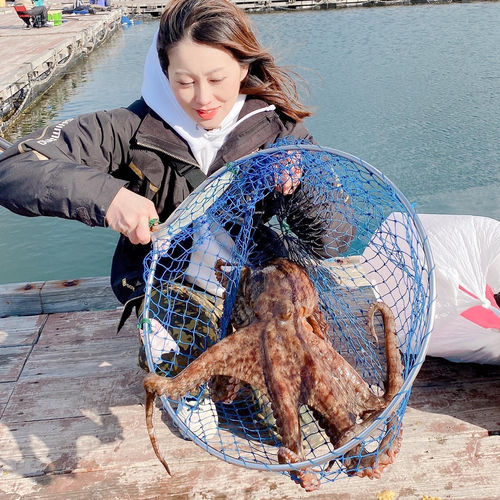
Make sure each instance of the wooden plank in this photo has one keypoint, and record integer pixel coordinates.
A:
(468, 391)
(74, 351)
(477, 403)
(6, 389)
(12, 361)
(85, 441)
(20, 330)
(28, 299)
(93, 441)
(439, 371)
(41, 401)
(82, 359)
(39, 398)
(107, 457)
(74, 428)
(20, 299)
(78, 295)
(83, 344)
(82, 436)
(78, 327)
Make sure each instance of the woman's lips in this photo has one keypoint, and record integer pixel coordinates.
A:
(207, 114)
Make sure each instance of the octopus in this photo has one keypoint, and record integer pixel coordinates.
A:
(281, 347)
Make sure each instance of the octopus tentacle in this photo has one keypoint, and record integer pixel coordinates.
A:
(318, 324)
(224, 389)
(347, 387)
(284, 382)
(372, 465)
(307, 479)
(231, 360)
(150, 406)
(394, 377)
(235, 356)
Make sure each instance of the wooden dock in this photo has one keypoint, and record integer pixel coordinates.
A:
(72, 420)
(32, 60)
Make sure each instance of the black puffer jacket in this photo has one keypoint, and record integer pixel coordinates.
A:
(74, 170)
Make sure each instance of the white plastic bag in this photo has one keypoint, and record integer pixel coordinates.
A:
(466, 251)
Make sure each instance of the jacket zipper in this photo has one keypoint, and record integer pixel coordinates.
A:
(148, 146)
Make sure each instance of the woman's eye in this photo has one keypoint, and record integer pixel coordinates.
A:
(185, 84)
(215, 81)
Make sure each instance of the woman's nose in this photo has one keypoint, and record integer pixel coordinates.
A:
(203, 94)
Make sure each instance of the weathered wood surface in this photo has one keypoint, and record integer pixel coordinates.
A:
(17, 337)
(77, 295)
(72, 427)
(86, 294)
(20, 299)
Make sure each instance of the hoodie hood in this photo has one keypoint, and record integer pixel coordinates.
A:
(158, 94)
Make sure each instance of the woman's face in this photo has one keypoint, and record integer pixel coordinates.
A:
(205, 81)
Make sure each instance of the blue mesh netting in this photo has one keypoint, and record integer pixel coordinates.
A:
(241, 216)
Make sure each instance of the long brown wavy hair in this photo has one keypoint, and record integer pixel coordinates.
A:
(220, 24)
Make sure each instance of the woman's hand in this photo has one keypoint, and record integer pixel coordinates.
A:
(288, 180)
(129, 214)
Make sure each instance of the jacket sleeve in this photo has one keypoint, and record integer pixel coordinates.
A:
(69, 170)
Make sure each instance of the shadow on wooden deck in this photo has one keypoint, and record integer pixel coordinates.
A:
(72, 426)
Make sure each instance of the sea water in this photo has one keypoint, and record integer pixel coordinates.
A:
(412, 90)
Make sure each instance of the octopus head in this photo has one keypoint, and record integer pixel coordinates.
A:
(267, 306)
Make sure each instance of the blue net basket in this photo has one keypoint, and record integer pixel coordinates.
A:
(384, 257)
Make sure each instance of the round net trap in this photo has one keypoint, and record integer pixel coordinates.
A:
(358, 240)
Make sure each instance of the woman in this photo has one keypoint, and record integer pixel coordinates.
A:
(210, 95)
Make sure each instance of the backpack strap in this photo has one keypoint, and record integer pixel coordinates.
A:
(193, 174)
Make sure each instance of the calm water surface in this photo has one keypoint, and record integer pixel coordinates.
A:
(411, 90)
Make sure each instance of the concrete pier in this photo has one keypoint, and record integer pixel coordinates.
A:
(32, 60)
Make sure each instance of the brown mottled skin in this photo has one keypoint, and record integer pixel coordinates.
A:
(281, 347)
